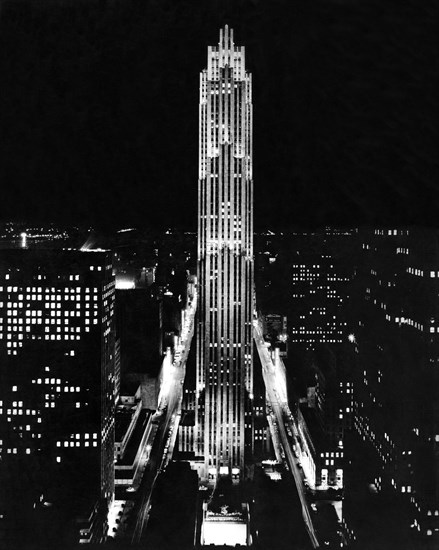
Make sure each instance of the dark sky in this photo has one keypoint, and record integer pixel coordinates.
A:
(99, 109)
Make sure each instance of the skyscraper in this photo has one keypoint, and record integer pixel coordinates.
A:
(396, 404)
(57, 391)
(225, 260)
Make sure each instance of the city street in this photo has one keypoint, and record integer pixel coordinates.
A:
(281, 439)
(168, 419)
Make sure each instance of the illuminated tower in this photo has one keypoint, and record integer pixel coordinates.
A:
(223, 421)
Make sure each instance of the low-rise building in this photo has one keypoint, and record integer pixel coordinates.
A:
(134, 428)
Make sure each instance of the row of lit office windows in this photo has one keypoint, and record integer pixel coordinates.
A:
(328, 331)
(52, 381)
(28, 412)
(77, 444)
(331, 454)
(314, 341)
(20, 412)
(55, 313)
(37, 291)
(15, 309)
(50, 301)
(391, 232)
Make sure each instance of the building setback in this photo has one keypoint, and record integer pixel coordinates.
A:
(58, 387)
(223, 422)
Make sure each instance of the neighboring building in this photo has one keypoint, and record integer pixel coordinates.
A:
(319, 404)
(306, 277)
(57, 390)
(317, 295)
(225, 261)
(134, 258)
(139, 331)
(170, 318)
(262, 445)
(127, 412)
(134, 427)
(397, 373)
(324, 431)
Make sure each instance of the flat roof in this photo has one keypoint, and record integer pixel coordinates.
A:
(123, 417)
(135, 439)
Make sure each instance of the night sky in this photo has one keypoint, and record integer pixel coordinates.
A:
(99, 110)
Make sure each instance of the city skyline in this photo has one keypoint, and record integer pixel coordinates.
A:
(346, 387)
(336, 86)
(219, 384)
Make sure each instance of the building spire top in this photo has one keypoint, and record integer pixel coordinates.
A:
(226, 39)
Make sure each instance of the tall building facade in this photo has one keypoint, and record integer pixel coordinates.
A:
(319, 288)
(223, 421)
(396, 402)
(57, 392)
(308, 277)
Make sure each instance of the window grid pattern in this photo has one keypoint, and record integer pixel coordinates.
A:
(225, 257)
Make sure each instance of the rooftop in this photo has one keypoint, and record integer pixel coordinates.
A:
(136, 437)
(124, 415)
